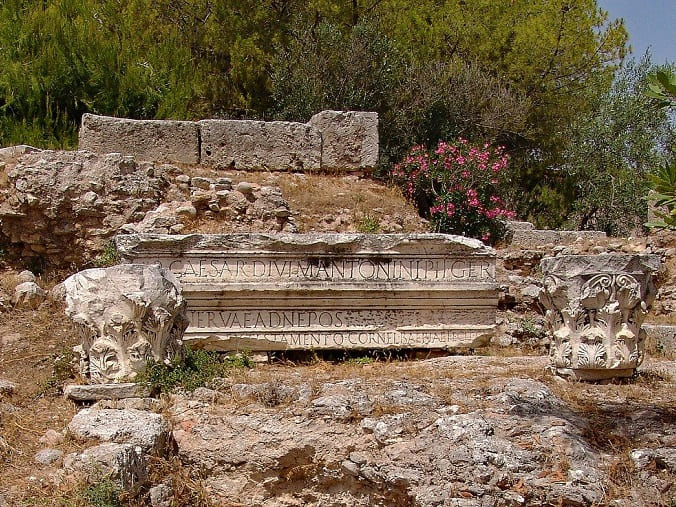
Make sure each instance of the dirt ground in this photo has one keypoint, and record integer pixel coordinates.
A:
(34, 354)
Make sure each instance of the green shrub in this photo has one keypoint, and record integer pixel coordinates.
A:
(108, 257)
(103, 493)
(360, 361)
(664, 195)
(458, 186)
(62, 371)
(368, 224)
(198, 369)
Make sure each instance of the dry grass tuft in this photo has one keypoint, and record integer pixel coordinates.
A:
(188, 488)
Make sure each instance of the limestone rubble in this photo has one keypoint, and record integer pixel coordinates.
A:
(470, 431)
(63, 208)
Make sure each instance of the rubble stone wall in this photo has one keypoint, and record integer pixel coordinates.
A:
(336, 140)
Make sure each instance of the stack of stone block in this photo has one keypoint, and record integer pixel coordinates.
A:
(331, 140)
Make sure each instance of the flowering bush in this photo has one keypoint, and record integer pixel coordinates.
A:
(457, 186)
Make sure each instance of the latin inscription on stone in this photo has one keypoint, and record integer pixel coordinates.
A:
(418, 338)
(206, 269)
(238, 320)
(297, 291)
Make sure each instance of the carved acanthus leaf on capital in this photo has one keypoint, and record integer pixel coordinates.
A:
(595, 317)
(125, 315)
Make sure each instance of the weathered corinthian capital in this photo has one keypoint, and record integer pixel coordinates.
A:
(595, 305)
(125, 315)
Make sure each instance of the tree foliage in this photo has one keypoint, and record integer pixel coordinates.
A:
(516, 73)
(662, 90)
(611, 153)
(662, 87)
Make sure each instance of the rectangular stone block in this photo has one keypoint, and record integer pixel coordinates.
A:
(349, 139)
(247, 144)
(95, 392)
(537, 238)
(328, 291)
(174, 142)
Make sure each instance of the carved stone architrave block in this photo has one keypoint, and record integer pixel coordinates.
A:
(595, 305)
(263, 292)
(125, 315)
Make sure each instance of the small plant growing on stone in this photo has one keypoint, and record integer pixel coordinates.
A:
(109, 256)
(360, 361)
(368, 224)
(239, 360)
(199, 368)
(103, 493)
(532, 328)
(458, 187)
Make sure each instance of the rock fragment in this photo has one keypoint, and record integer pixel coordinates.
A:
(48, 456)
(28, 295)
(147, 430)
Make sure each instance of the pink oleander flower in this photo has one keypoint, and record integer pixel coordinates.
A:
(458, 183)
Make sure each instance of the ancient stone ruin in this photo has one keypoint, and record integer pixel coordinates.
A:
(125, 315)
(328, 291)
(336, 140)
(64, 207)
(456, 430)
(595, 307)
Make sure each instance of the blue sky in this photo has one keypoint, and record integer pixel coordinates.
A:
(650, 23)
